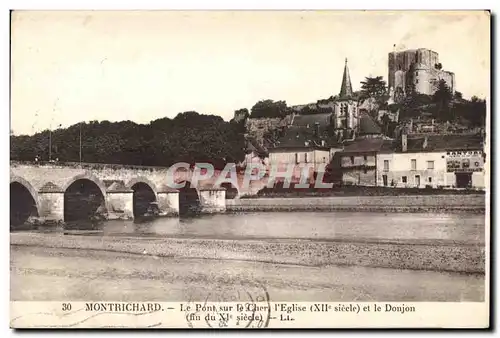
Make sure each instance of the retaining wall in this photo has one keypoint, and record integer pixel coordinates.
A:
(425, 203)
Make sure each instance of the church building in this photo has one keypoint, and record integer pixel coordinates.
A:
(345, 117)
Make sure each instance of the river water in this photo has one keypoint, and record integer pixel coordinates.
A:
(47, 272)
(469, 228)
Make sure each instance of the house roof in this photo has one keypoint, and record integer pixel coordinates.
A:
(253, 145)
(309, 120)
(303, 137)
(301, 134)
(367, 145)
(367, 125)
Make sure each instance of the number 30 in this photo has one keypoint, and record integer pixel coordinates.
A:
(66, 307)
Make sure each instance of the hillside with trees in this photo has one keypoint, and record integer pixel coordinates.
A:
(445, 107)
(189, 137)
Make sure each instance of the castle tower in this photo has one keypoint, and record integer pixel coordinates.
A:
(346, 88)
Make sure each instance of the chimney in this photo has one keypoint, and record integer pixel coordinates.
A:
(316, 129)
(404, 141)
(424, 145)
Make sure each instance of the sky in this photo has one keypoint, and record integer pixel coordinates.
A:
(68, 67)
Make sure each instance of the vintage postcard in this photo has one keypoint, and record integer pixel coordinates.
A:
(250, 169)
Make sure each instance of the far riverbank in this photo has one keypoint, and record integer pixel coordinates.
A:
(470, 203)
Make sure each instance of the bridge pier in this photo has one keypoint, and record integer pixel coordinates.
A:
(212, 200)
(120, 202)
(51, 206)
(168, 202)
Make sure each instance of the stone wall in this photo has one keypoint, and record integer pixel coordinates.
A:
(51, 206)
(47, 184)
(471, 203)
(365, 177)
(168, 202)
(212, 200)
(258, 127)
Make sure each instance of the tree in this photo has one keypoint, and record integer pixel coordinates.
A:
(373, 87)
(385, 120)
(458, 96)
(240, 115)
(473, 111)
(442, 97)
(269, 109)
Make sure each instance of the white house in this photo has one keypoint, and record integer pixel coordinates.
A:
(454, 161)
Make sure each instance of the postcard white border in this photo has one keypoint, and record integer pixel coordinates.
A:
(150, 4)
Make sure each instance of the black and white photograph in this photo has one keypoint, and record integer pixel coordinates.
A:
(284, 163)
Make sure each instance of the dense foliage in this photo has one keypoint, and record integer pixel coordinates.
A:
(270, 109)
(189, 137)
(316, 110)
(373, 87)
(444, 106)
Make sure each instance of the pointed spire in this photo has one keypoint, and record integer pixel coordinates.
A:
(346, 88)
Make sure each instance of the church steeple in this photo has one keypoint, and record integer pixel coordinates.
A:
(346, 88)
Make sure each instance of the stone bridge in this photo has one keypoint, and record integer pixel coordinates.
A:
(58, 192)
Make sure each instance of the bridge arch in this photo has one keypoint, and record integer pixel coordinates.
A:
(24, 201)
(189, 199)
(145, 193)
(84, 198)
(144, 180)
(232, 192)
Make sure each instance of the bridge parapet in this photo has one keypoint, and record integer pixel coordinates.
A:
(48, 183)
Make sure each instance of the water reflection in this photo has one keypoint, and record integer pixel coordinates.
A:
(320, 226)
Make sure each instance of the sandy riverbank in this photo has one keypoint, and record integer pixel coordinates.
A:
(52, 274)
(415, 255)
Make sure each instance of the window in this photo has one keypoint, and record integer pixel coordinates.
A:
(296, 158)
(324, 159)
(365, 158)
(416, 81)
(364, 171)
(386, 165)
(403, 179)
(305, 157)
(430, 164)
(413, 164)
(352, 159)
(430, 179)
(416, 73)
